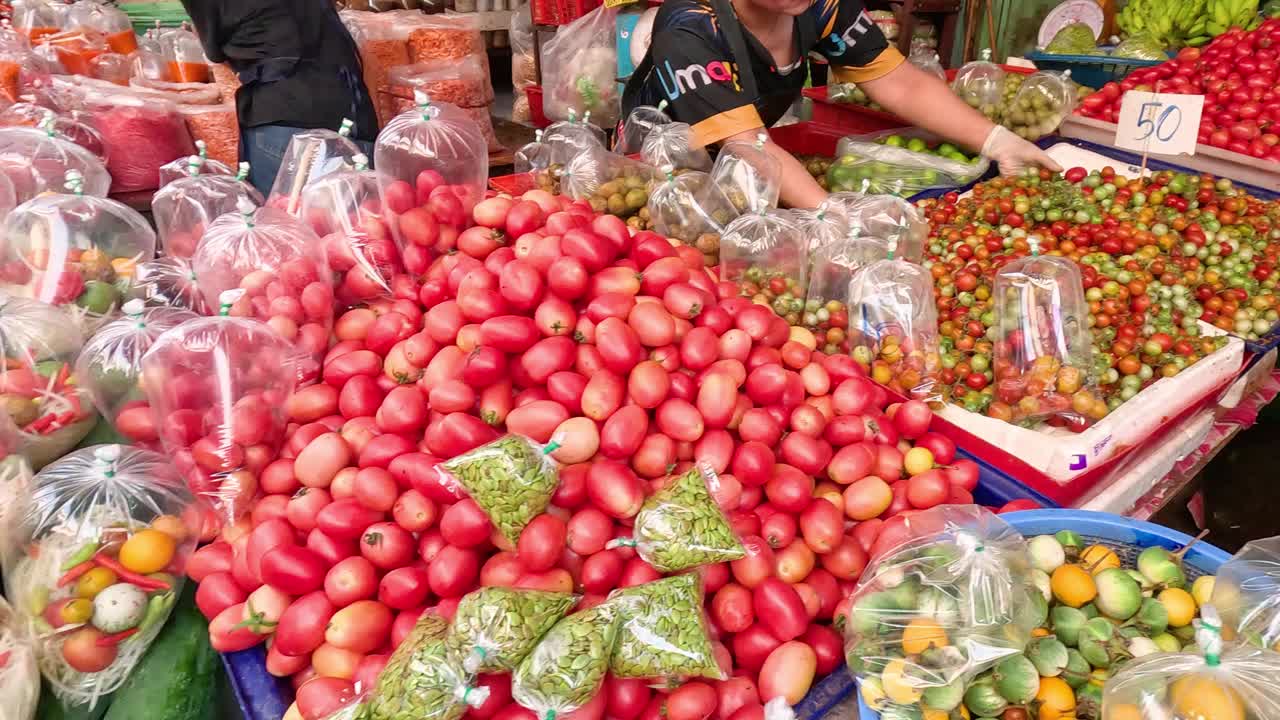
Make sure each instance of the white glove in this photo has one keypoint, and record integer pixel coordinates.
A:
(1013, 154)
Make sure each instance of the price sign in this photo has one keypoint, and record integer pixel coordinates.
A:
(1159, 123)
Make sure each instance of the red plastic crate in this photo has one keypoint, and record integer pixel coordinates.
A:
(536, 115)
(561, 12)
(808, 138)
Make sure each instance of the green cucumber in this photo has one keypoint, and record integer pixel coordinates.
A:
(51, 708)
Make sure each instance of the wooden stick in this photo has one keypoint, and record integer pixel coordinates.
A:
(300, 178)
(991, 29)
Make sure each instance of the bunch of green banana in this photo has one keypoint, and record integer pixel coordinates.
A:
(1170, 23)
(1223, 14)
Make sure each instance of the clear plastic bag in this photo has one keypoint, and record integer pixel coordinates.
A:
(1043, 353)
(821, 226)
(765, 254)
(44, 414)
(893, 327)
(926, 58)
(37, 162)
(111, 22)
(421, 680)
(184, 208)
(834, 266)
(102, 565)
(672, 144)
(346, 211)
(890, 219)
(568, 666)
(642, 120)
(73, 126)
(950, 601)
(185, 57)
(15, 499)
(748, 174)
(1075, 38)
(193, 165)
(572, 137)
(533, 156)
(580, 67)
(281, 266)
(902, 163)
(19, 675)
(680, 526)
(141, 133)
(691, 208)
(613, 184)
(463, 82)
(981, 84)
(74, 251)
(169, 282)
(1043, 100)
(512, 479)
(523, 68)
(1221, 681)
(110, 365)
(664, 633)
(1247, 594)
(35, 19)
(1140, 47)
(439, 152)
(495, 628)
(310, 156)
(217, 388)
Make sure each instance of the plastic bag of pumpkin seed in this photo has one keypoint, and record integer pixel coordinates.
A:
(512, 479)
(681, 526)
(568, 665)
(1247, 593)
(1220, 681)
(421, 680)
(953, 599)
(663, 632)
(494, 628)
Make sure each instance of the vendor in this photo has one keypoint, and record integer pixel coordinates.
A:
(691, 65)
(299, 70)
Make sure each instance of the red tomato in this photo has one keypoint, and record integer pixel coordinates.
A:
(541, 543)
(226, 634)
(788, 672)
(694, 700)
(361, 627)
(404, 588)
(210, 559)
(732, 608)
(293, 569)
(627, 697)
(387, 545)
(757, 565)
(351, 579)
(464, 524)
(323, 696)
(453, 571)
(780, 609)
(346, 519)
(614, 488)
(752, 647)
(822, 525)
(217, 592)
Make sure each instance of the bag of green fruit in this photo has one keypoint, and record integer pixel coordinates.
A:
(902, 163)
(952, 599)
(672, 144)
(642, 120)
(887, 219)
(43, 414)
(1043, 349)
(1219, 681)
(1140, 47)
(748, 174)
(104, 544)
(495, 628)
(664, 633)
(568, 665)
(110, 365)
(1043, 100)
(833, 266)
(613, 184)
(512, 479)
(680, 526)
(981, 84)
(893, 327)
(75, 251)
(169, 282)
(690, 208)
(421, 680)
(765, 255)
(1247, 594)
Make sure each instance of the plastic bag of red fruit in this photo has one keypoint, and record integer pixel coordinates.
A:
(185, 207)
(75, 251)
(434, 157)
(1043, 350)
(110, 366)
(198, 164)
(346, 210)
(311, 155)
(764, 254)
(893, 327)
(217, 388)
(169, 282)
(280, 264)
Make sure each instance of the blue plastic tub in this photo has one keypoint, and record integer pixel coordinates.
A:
(1127, 537)
(1092, 70)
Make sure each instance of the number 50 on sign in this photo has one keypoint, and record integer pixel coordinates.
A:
(1159, 123)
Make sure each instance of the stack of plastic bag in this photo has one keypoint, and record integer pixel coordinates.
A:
(523, 67)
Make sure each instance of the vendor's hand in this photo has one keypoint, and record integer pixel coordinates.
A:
(1013, 154)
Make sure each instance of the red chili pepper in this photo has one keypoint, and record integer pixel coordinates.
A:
(4, 658)
(74, 573)
(110, 640)
(60, 380)
(39, 424)
(129, 576)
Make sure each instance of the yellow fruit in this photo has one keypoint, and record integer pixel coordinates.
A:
(1040, 632)
(94, 582)
(147, 551)
(1056, 699)
(1072, 585)
(897, 687)
(872, 691)
(1097, 558)
(804, 337)
(1123, 711)
(920, 635)
(1202, 589)
(1179, 604)
(172, 526)
(1198, 697)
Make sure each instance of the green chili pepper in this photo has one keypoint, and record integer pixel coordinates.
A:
(157, 609)
(85, 552)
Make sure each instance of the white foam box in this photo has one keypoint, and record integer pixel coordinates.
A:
(1056, 452)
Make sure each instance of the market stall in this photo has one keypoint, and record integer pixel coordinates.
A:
(619, 435)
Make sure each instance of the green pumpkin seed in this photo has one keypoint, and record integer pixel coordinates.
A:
(421, 681)
(512, 479)
(681, 526)
(495, 628)
(568, 665)
(664, 631)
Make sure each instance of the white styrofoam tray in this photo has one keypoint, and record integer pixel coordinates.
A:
(1062, 455)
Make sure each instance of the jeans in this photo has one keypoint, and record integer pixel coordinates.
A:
(264, 146)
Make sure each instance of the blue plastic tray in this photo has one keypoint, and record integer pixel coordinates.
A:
(1092, 70)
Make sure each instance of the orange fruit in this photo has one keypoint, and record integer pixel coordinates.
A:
(147, 551)
(920, 635)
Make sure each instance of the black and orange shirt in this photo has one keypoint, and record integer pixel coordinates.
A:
(694, 70)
